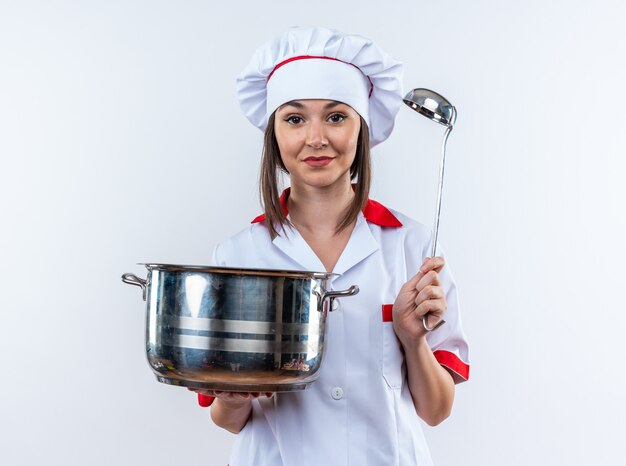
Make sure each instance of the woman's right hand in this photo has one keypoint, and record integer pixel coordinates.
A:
(232, 399)
(231, 410)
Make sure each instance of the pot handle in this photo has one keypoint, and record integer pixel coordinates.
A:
(132, 279)
(338, 294)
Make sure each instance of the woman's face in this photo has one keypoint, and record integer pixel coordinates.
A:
(317, 140)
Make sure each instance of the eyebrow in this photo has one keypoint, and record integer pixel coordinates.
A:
(297, 104)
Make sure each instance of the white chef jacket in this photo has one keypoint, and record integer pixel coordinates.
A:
(359, 411)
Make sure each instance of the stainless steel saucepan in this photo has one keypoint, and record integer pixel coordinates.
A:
(247, 330)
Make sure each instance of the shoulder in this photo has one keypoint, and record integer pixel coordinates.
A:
(406, 244)
(241, 245)
(409, 224)
(409, 227)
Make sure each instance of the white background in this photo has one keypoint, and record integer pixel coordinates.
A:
(121, 141)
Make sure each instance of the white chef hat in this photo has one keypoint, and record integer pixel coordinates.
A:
(321, 63)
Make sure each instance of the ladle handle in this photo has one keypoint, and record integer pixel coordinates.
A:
(442, 165)
(433, 247)
(425, 323)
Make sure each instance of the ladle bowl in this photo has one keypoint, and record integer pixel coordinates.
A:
(432, 105)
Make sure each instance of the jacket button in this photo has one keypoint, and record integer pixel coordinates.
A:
(337, 393)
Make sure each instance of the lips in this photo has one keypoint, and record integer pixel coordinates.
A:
(318, 161)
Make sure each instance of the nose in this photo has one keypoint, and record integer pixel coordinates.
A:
(316, 135)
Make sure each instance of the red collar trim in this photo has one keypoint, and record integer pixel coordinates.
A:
(374, 212)
(378, 214)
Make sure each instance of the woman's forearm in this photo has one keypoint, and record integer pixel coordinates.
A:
(229, 415)
(432, 387)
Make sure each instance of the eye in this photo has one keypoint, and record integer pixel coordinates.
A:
(337, 117)
(293, 120)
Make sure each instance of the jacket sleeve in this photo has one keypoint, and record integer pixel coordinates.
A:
(448, 342)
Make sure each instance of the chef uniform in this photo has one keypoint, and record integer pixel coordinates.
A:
(360, 410)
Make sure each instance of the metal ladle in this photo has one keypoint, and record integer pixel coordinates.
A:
(437, 108)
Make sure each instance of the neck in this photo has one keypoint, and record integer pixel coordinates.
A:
(319, 209)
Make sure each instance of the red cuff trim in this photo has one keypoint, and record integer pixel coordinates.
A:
(374, 212)
(205, 400)
(453, 362)
(387, 312)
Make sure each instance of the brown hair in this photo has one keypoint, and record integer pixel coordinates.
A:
(272, 164)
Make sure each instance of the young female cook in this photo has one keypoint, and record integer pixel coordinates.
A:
(324, 98)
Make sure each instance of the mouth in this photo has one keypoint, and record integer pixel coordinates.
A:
(318, 161)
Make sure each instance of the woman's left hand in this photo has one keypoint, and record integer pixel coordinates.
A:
(421, 295)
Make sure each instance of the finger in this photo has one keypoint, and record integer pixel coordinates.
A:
(247, 395)
(233, 396)
(432, 263)
(434, 306)
(202, 391)
(430, 279)
(429, 293)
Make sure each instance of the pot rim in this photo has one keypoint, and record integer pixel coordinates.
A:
(239, 271)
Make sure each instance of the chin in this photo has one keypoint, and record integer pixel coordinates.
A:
(322, 182)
